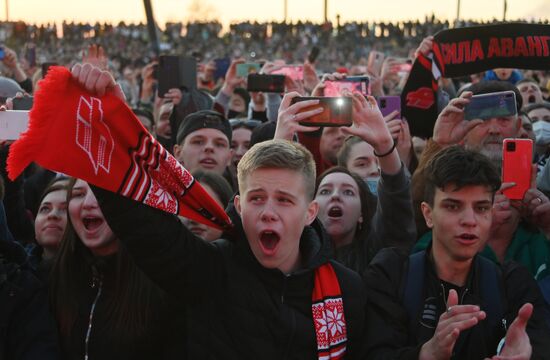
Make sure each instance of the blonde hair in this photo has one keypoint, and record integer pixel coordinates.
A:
(278, 154)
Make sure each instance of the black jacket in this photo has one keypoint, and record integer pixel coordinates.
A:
(27, 329)
(95, 298)
(236, 309)
(388, 327)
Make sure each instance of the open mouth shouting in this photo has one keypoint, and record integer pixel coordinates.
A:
(269, 240)
(92, 223)
(335, 212)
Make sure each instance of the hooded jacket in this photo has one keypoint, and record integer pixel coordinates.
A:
(236, 308)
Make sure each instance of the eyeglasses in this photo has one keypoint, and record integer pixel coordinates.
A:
(251, 124)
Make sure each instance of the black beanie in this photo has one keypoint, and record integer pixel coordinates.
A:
(204, 119)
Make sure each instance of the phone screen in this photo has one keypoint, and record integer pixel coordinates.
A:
(249, 68)
(487, 106)
(295, 72)
(13, 123)
(354, 84)
(336, 111)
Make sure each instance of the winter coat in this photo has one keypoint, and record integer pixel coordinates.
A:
(389, 335)
(236, 308)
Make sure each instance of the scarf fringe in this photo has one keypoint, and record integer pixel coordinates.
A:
(31, 141)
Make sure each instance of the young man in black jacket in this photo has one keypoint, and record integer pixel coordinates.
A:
(270, 289)
(462, 311)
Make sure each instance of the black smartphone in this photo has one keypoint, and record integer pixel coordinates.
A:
(156, 71)
(222, 65)
(176, 72)
(23, 103)
(491, 105)
(266, 83)
(313, 54)
(45, 67)
(336, 111)
(31, 56)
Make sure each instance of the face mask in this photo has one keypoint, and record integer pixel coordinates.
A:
(372, 183)
(542, 132)
(232, 114)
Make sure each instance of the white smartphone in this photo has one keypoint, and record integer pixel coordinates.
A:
(13, 123)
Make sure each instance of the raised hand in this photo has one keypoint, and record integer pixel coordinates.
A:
(289, 118)
(516, 343)
(95, 80)
(95, 55)
(457, 318)
(450, 127)
(425, 46)
(232, 81)
(369, 124)
(310, 77)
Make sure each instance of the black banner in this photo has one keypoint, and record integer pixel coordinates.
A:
(465, 51)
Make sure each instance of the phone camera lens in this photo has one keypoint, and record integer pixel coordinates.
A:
(511, 146)
(383, 103)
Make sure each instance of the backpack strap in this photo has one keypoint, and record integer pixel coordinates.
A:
(491, 288)
(413, 288)
(490, 282)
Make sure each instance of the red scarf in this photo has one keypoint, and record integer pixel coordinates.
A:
(101, 141)
(328, 314)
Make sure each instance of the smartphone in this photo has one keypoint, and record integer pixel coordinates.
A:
(375, 62)
(336, 111)
(491, 105)
(222, 65)
(266, 83)
(46, 66)
(31, 56)
(389, 104)
(2, 53)
(13, 123)
(313, 54)
(156, 71)
(355, 84)
(176, 72)
(249, 68)
(517, 156)
(295, 72)
(23, 103)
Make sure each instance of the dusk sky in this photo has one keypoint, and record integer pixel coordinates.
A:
(230, 10)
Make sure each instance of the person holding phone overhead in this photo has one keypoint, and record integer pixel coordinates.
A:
(518, 232)
(448, 301)
(358, 228)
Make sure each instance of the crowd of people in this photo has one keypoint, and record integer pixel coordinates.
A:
(359, 242)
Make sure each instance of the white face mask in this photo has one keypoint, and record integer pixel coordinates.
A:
(542, 132)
